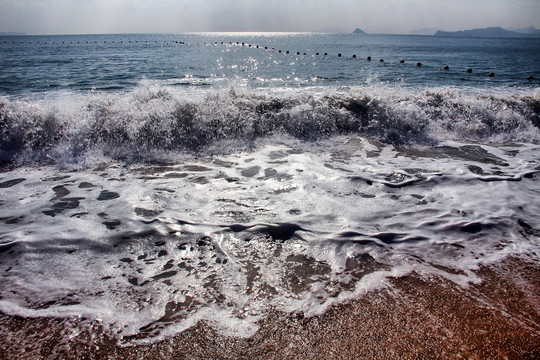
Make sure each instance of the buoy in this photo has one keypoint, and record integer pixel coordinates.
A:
(279, 51)
(419, 64)
(305, 54)
(491, 74)
(469, 70)
(402, 62)
(338, 55)
(369, 58)
(298, 53)
(317, 54)
(381, 60)
(287, 51)
(530, 78)
(446, 67)
(354, 56)
(325, 54)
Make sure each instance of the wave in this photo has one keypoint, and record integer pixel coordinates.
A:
(153, 119)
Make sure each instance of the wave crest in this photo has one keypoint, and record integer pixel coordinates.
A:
(159, 119)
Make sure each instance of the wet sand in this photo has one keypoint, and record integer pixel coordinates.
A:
(413, 318)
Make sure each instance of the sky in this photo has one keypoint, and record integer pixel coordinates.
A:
(176, 16)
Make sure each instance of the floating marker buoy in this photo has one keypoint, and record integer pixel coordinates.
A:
(325, 54)
(402, 61)
(446, 67)
(279, 51)
(530, 78)
(298, 53)
(369, 58)
(381, 60)
(266, 48)
(287, 51)
(305, 54)
(317, 54)
(491, 74)
(354, 56)
(469, 70)
(419, 64)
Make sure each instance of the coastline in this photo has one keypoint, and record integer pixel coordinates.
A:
(413, 318)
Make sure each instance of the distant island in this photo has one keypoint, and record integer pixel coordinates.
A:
(358, 31)
(492, 32)
(12, 33)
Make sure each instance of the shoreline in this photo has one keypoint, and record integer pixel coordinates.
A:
(413, 318)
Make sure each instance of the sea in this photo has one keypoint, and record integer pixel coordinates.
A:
(150, 182)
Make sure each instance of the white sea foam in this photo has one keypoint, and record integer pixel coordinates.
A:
(152, 121)
(151, 249)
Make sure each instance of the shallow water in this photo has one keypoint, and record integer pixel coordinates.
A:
(149, 249)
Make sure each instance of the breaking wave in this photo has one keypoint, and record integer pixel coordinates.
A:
(153, 119)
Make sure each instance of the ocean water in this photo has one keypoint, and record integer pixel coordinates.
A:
(149, 182)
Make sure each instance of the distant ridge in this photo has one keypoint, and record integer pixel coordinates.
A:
(358, 31)
(14, 33)
(491, 32)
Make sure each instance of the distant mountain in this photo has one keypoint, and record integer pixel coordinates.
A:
(428, 31)
(491, 32)
(358, 31)
(14, 33)
(528, 30)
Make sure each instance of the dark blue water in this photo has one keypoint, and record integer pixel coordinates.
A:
(120, 62)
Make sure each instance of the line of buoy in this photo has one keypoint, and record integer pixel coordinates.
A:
(418, 64)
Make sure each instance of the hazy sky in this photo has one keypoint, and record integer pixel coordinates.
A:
(373, 16)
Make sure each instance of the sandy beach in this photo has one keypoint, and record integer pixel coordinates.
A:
(414, 318)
